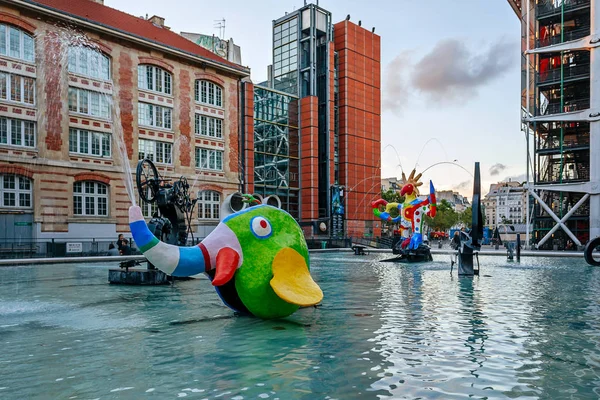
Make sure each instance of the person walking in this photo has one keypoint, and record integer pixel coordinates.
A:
(455, 245)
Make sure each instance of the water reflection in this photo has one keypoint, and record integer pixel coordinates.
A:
(471, 309)
(384, 330)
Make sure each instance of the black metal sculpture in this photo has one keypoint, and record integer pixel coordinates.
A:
(470, 242)
(172, 223)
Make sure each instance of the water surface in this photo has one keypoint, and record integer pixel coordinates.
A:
(384, 330)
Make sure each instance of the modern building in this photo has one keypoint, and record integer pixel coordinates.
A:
(316, 140)
(561, 109)
(80, 81)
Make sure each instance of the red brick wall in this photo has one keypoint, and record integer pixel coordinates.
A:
(52, 90)
(309, 162)
(232, 113)
(126, 70)
(248, 117)
(360, 122)
(185, 122)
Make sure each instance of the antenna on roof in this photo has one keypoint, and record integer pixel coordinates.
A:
(220, 24)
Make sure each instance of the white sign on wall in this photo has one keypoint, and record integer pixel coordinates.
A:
(74, 247)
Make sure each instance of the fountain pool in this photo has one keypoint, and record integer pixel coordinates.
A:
(384, 330)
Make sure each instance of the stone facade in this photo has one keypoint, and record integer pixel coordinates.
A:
(51, 166)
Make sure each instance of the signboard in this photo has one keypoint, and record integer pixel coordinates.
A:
(337, 211)
(74, 247)
(22, 223)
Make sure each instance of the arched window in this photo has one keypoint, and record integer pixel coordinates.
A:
(208, 93)
(16, 43)
(154, 78)
(86, 61)
(16, 191)
(90, 199)
(209, 204)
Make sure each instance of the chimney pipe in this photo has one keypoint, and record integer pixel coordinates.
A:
(158, 21)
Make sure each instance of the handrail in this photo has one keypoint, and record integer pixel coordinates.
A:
(567, 37)
(549, 7)
(569, 106)
(569, 71)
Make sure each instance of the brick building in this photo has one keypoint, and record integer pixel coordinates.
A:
(316, 135)
(60, 166)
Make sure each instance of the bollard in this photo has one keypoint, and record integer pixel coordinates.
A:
(518, 247)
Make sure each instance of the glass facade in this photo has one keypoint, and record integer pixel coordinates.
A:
(276, 162)
(285, 56)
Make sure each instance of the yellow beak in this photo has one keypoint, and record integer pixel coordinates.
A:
(292, 281)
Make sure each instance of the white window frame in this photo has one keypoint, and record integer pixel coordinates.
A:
(152, 115)
(21, 190)
(148, 209)
(155, 79)
(90, 62)
(208, 126)
(95, 197)
(81, 141)
(209, 205)
(103, 105)
(26, 45)
(12, 129)
(155, 151)
(207, 92)
(210, 159)
(8, 84)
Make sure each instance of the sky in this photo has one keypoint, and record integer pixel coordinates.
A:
(450, 76)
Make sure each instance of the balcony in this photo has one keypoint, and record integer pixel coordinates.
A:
(550, 144)
(569, 106)
(574, 168)
(577, 33)
(569, 73)
(548, 8)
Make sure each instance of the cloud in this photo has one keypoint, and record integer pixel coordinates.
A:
(396, 89)
(463, 185)
(452, 72)
(496, 169)
(448, 74)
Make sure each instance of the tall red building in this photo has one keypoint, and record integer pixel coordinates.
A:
(316, 132)
(359, 72)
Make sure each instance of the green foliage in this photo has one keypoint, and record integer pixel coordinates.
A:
(444, 219)
(466, 217)
(392, 196)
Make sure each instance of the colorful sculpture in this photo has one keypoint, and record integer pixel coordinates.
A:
(410, 212)
(257, 259)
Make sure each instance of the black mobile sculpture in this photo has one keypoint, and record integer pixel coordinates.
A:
(470, 244)
(172, 223)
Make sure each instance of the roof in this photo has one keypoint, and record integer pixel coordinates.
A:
(516, 6)
(99, 14)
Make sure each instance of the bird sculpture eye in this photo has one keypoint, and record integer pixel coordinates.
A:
(260, 227)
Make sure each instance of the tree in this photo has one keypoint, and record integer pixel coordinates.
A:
(444, 219)
(392, 196)
(466, 217)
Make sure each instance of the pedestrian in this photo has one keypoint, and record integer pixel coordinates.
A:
(123, 246)
(455, 245)
(112, 250)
